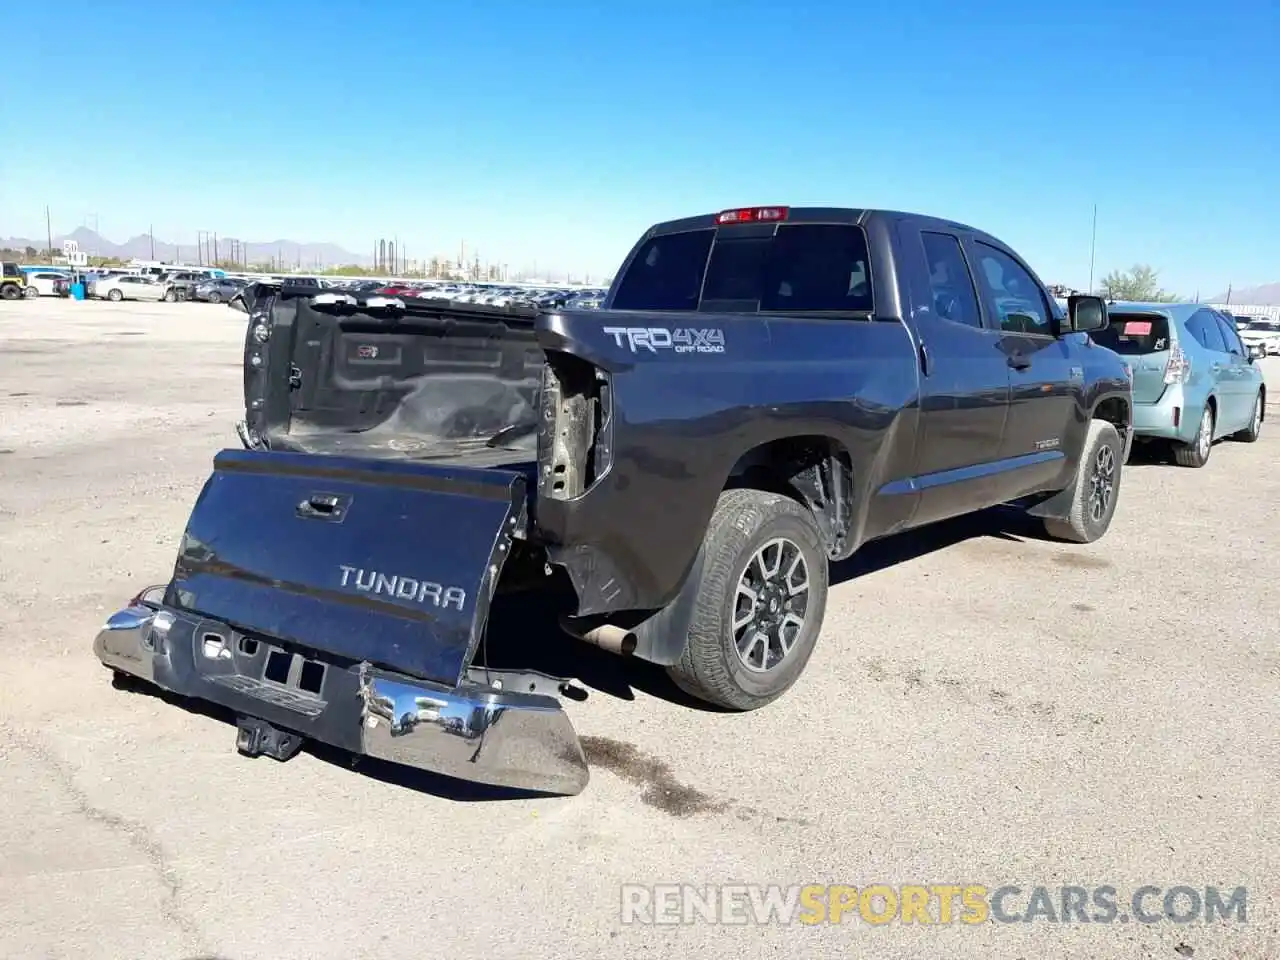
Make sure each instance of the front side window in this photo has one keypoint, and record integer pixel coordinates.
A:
(1012, 294)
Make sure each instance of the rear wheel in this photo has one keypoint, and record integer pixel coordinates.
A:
(1097, 487)
(1251, 433)
(761, 600)
(1196, 453)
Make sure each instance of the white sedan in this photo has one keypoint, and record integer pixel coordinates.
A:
(129, 287)
(1265, 333)
(46, 283)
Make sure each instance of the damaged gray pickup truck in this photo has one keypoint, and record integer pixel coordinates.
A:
(764, 390)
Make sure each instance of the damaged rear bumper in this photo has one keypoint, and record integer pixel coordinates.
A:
(503, 738)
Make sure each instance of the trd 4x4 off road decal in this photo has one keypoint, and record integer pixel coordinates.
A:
(679, 340)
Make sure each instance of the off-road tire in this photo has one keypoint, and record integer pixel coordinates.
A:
(710, 667)
(115, 296)
(1251, 433)
(1081, 525)
(1196, 453)
(10, 291)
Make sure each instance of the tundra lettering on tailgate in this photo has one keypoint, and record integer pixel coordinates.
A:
(681, 339)
(402, 587)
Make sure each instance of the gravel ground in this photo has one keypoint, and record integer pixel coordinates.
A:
(984, 707)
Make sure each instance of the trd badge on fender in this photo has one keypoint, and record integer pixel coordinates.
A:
(402, 587)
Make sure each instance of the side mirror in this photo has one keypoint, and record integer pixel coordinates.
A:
(1085, 313)
(1256, 351)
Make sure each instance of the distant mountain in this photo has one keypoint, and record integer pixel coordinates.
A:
(280, 251)
(1267, 295)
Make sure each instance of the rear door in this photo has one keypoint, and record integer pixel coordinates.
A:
(1203, 326)
(964, 385)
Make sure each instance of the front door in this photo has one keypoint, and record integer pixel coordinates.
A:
(1241, 381)
(1046, 387)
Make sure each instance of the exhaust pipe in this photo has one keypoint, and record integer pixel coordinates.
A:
(607, 636)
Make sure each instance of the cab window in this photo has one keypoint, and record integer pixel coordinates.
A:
(1011, 294)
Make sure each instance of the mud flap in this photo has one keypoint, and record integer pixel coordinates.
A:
(392, 563)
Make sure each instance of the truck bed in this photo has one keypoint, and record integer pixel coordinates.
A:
(427, 381)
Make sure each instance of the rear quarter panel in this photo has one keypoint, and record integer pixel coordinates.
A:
(682, 421)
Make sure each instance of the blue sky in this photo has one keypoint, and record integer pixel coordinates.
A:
(556, 132)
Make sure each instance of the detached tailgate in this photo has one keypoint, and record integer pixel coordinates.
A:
(392, 562)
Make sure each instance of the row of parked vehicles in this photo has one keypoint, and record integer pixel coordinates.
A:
(176, 285)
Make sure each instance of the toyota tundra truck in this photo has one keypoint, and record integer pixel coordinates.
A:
(763, 391)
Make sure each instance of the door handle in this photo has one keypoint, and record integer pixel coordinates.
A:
(1019, 361)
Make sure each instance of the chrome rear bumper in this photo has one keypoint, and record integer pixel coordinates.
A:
(514, 740)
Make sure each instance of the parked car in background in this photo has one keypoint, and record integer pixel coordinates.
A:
(1194, 380)
(47, 283)
(217, 291)
(1260, 332)
(129, 287)
(13, 282)
(181, 284)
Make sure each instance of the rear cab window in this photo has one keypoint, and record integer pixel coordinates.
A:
(752, 268)
(1134, 334)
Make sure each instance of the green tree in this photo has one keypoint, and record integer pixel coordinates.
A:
(1140, 282)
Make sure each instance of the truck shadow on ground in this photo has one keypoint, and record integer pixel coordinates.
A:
(524, 631)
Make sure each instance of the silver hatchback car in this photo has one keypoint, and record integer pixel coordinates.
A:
(1194, 381)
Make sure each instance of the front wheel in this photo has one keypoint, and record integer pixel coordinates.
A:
(115, 296)
(1196, 453)
(215, 297)
(760, 604)
(170, 296)
(31, 293)
(10, 291)
(1097, 487)
(1251, 433)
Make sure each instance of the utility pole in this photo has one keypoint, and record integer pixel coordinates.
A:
(151, 235)
(1093, 246)
(48, 230)
(214, 262)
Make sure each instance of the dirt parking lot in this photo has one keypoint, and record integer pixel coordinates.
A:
(984, 707)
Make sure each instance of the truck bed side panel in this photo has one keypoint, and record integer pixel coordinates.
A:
(682, 420)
